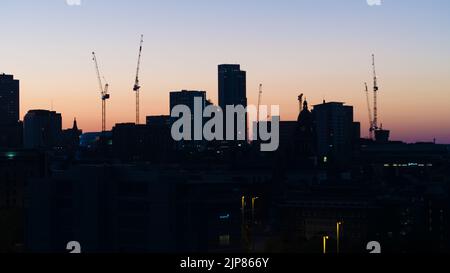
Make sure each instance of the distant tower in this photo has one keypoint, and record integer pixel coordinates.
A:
(9, 99)
(232, 85)
(10, 126)
(232, 88)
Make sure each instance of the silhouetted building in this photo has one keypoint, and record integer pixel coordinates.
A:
(42, 129)
(287, 131)
(309, 214)
(125, 208)
(11, 135)
(305, 139)
(335, 132)
(298, 141)
(233, 90)
(232, 85)
(382, 136)
(70, 139)
(9, 99)
(130, 141)
(95, 147)
(10, 126)
(158, 121)
(16, 168)
(400, 155)
(187, 98)
(151, 142)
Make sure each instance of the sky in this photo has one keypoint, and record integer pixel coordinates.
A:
(321, 48)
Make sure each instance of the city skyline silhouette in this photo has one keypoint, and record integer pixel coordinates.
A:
(203, 127)
(284, 48)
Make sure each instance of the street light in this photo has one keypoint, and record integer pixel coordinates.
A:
(253, 207)
(253, 221)
(338, 235)
(243, 233)
(325, 239)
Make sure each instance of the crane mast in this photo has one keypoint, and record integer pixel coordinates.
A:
(260, 93)
(375, 96)
(137, 87)
(371, 129)
(103, 91)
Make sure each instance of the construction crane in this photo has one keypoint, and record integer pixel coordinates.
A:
(375, 96)
(103, 91)
(137, 87)
(260, 93)
(371, 129)
(300, 102)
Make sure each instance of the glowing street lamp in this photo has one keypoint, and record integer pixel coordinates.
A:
(253, 207)
(338, 235)
(325, 239)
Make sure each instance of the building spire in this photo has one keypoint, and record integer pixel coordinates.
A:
(75, 125)
(305, 105)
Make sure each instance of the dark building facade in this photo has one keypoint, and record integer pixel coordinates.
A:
(335, 131)
(10, 126)
(70, 139)
(9, 99)
(124, 208)
(232, 85)
(17, 166)
(233, 89)
(158, 121)
(186, 97)
(42, 129)
(152, 143)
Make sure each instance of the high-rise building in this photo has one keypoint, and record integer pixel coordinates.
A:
(233, 89)
(335, 131)
(232, 85)
(188, 98)
(10, 126)
(42, 129)
(9, 100)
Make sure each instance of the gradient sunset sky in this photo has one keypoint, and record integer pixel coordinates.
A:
(318, 47)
